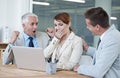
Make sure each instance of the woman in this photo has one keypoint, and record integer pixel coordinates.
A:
(65, 46)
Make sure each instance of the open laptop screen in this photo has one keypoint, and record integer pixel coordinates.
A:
(29, 58)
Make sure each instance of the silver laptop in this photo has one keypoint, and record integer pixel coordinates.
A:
(29, 58)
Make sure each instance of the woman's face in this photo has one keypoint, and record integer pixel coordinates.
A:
(60, 26)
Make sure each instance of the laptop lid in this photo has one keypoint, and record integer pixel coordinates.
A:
(29, 58)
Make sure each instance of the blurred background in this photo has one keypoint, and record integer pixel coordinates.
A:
(10, 17)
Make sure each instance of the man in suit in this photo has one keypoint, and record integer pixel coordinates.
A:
(39, 39)
(106, 58)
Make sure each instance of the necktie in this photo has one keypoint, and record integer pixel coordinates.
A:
(98, 43)
(31, 42)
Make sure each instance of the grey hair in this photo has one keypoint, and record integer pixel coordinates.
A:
(24, 18)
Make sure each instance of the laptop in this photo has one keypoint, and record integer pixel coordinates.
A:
(29, 58)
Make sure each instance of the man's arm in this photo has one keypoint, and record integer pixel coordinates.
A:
(8, 55)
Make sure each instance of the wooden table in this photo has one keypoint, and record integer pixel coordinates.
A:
(10, 71)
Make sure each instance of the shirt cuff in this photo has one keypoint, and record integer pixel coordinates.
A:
(55, 40)
(11, 45)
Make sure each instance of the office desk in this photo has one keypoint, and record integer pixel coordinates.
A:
(10, 71)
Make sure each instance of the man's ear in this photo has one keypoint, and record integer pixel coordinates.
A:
(23, 25)
(98, 27)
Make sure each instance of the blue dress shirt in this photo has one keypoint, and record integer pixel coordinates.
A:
(27, 40)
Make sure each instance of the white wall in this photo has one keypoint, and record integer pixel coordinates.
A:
(11, 13)
(3, 7)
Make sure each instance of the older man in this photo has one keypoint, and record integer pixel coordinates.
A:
(29, 37)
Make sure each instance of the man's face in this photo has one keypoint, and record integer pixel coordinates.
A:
(93, 29)
(30, 27)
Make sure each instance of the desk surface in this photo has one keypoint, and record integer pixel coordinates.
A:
(10, 71)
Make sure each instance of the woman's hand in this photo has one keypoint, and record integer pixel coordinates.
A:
(59, 33)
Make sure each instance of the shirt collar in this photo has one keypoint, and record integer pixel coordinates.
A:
(71, 36)
(109, 29)
(26, 36)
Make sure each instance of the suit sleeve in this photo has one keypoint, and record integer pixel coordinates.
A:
(104, 59)
(91, 51)
(7, 55)
(51, 47)
(77, 51)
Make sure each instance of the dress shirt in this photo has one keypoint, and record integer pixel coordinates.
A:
(27, 40)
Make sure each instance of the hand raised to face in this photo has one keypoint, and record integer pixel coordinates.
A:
(59, 33)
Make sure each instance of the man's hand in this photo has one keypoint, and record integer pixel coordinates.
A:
(50, 32)
(76, 67)
(85, 46)
(14, 36)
